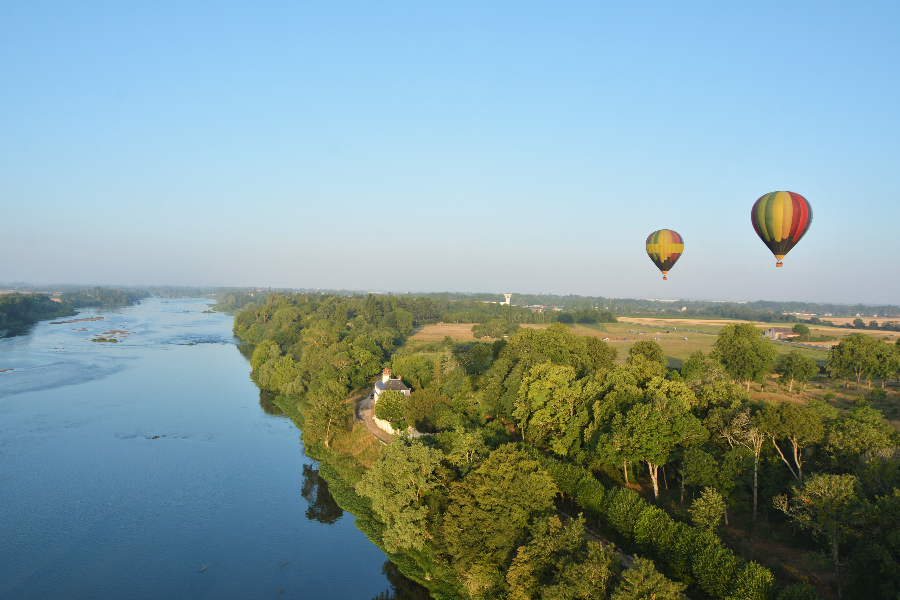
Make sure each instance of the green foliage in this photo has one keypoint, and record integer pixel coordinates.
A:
(622, 509)
(17, 309)
(493, 508)
(397, 486)
(494, 328)
(800, 329)
(798, 591)
(415, 370)
(715, 568)
(744, 354)
(753, 582)
(391, 406)
(650, 350)
(328, 411)
(855, 357)
(707, 510)
(558, 563)
(795, 365)
(552, 407)
(643, 582)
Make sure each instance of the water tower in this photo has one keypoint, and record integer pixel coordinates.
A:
(507, 296)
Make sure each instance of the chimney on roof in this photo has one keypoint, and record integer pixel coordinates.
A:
(385, 375)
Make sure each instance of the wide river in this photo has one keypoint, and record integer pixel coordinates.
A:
(151, 468)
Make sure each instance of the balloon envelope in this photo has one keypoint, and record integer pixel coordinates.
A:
(664, 247)
(780, 220)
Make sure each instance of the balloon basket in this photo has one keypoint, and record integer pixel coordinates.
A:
(779, 264)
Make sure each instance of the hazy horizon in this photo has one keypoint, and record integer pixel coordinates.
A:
(405, 147)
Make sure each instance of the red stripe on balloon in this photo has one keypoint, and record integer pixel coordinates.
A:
(802, 223)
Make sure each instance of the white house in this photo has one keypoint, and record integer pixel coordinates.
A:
(389, 383)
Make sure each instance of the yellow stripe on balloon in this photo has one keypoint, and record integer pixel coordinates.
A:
(778, 215)
(788, 216)
(664, 249)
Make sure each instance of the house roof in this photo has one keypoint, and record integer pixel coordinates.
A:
(392, 384)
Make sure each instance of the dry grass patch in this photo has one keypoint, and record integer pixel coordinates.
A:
(360, 444)
(460, 332)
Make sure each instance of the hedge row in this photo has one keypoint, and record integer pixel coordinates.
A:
(687, 554)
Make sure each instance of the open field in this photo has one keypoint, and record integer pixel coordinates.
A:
(623, 335)
(849, 320)
(460, 332)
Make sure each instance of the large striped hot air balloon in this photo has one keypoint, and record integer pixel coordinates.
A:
(780, 220)
(664, 247)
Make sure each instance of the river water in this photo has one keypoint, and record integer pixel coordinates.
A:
(151, 469)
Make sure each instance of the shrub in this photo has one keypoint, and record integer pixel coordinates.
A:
(798, 591)
(649, 528)
(715, 568)
(621, 510)
(753, 582)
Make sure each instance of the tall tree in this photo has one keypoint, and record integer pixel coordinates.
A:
(796, 425)
(743, 430)
(825, 505)
(886, 361)
(853, 357)
(493, 508)
(795, 365)
(397, 486)
(659, 424)
(744, 354)
(328, 411)
(552, 407)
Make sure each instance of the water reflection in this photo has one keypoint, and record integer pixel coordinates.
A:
(16, 331)
(401, 587)
(246, 350)
(322, 507)
(265, 403)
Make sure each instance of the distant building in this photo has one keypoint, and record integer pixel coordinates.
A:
(775, 333)
(388, 383)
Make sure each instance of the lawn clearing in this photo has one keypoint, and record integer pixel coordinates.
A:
(459, 332)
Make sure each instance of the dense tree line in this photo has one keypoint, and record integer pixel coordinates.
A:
(100, 296)
(524, 426)
(17, 310)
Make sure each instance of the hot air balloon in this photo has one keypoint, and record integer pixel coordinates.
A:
(780, 220)
(664, 247)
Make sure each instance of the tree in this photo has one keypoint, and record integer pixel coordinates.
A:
(558, 563)
(552, 407)
(492, 509)
(800, 426)
(744, 354)
(420, 406)
(328, 411)
(795, 365)
(853, 357)
(744, 431)
(800, 329)
(397, 486)
(886, 359)
(655, 427)
(414, 369)
(391, 406)
(707, 510)
(648, 349)
(825, 505)
(644, 582)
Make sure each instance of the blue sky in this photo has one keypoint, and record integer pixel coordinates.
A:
(526, 147)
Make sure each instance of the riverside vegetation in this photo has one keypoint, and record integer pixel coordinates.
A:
(19, 310)
(539, 438)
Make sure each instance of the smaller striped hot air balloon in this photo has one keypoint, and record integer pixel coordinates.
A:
(664, 247)
(780, 220)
